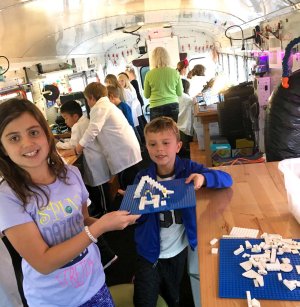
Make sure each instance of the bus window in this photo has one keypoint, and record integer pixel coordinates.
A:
(143, 71)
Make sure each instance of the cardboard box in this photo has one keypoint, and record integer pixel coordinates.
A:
(241, 152)
(244, 143)
(220, 148)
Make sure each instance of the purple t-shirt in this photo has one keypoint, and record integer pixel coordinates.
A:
(76, 282)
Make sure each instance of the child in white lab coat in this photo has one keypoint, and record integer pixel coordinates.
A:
(116, 137)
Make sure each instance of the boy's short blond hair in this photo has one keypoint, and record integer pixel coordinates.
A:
(160, 124)
(113, 91)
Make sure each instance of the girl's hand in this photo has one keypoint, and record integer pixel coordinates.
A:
(116, 220)
(199, 180)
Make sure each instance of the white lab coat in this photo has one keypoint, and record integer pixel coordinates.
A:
(9, 293)
(132, 100)
(137, 103)
(96, 170)
(116, 137)
(186, 114)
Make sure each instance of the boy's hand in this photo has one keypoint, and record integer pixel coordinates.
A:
(199, 180)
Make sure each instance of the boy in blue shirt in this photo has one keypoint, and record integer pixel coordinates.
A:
(114, 97)
(162, 238)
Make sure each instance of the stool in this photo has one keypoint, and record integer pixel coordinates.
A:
(122, 295)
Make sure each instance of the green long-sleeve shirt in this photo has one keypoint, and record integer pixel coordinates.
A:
(163, 86)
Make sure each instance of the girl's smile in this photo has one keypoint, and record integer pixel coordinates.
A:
(26, 144)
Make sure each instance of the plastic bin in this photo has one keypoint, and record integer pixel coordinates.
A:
(291, 171)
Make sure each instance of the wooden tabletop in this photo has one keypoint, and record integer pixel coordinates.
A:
(69, 160)
(256, 200)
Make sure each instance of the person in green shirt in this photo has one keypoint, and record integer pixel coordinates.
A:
(162, 86)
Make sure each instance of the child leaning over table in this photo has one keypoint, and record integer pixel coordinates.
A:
(116, 137)
(162, 239)
(96, 172)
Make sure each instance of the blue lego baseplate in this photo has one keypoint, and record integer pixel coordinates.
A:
(233, 285)
(183, 197)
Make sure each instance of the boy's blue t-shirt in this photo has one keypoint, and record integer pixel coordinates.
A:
(125, 108)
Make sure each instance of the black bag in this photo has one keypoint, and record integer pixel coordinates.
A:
(282, 123)
(238, 113)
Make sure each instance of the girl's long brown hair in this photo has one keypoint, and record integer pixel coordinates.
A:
(17, 178)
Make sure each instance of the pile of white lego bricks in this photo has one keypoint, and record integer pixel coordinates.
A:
(263, 258)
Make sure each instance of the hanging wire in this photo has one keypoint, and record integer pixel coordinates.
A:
(238, 39)
(3, 70)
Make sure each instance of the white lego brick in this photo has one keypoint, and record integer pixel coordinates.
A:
(239, 250)
(255, 249)
(255, 303)
(260, 280)
(273, 266)
(214, 250)
(285, 260)
(250, 274)
(286, 267)
(240, 232)
(248, 245)
(248, 295)
(213, 241)
(247, 265)
(298, 269)
(262, 272)
(289, 284)
(279, 275)
(273, 255)
(280, 252)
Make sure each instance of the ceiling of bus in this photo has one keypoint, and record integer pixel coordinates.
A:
(70, 28)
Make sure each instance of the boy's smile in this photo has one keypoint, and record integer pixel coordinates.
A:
(163, 147)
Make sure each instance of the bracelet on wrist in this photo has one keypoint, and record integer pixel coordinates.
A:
(87, 231)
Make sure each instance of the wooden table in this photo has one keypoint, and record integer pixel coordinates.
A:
(206, 115)
(71, 159)
(256, 200)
